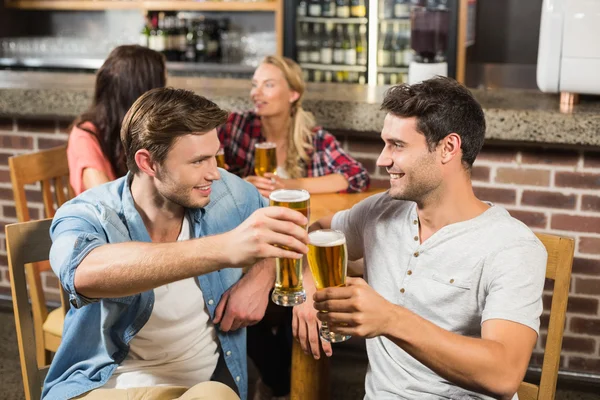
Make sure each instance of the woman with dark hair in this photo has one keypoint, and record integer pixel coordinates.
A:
(95, 152)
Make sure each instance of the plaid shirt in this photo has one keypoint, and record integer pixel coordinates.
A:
(243, 130)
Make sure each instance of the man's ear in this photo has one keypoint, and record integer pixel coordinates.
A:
(450, 147)
(144, 161)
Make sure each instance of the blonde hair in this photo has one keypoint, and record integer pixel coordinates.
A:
(300, 133)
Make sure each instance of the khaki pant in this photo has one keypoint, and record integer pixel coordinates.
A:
(201, 391)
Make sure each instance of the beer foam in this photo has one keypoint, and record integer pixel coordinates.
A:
(289, 195)
(326, 238)
(265, 145)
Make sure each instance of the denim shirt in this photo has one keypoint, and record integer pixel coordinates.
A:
(97, 332)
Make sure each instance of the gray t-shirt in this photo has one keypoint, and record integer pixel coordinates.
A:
(490, 267)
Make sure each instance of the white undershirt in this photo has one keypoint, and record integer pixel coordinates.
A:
(178, 345)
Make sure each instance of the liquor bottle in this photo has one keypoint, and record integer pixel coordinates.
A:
(201, 41)
(212, 40)
(314, 54)
(190, 42)
(402, 9)
(380, 79)
(408, 53)
(314, 8)
(352, 77)
(361, 45)
(340, 76)
(349, 45)
(328, 76)
(317, 75)
(182, 39)
(301, 9)
(153, 32)
(327, 44)
(362, 78)
(342, 9)
(386, 9)
(384, 55)
(338, 49)
(397, 47)
(328, 8)
(358, 8)
(160, 42)
(306, 75)
(302, 44)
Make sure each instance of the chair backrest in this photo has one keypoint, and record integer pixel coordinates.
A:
(560, 261)
(26, 243)
(51, 169)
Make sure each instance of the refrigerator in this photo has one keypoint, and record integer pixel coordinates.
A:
(367, 41)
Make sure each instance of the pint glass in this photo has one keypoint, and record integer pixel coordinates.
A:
(221, 158)
(328, 261)
(265, 158)
(288, 290)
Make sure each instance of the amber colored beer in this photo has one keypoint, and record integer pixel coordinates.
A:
(221, 158)
(288, 283)
(265, 158)
(328, 262)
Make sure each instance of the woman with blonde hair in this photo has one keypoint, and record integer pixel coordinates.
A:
(308, 157)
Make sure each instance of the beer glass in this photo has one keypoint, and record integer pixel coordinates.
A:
(265, 158)
(328, 261)
(288, 290)
(221, 158)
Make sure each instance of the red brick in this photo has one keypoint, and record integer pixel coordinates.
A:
(495, 195)
(548, 285)
(575, 223)
(481, 174)
(537, 359)
(579, 305)
(369, 164)
(548, 199)
(590, 203)
(4, 273)
(11, 212)
(584, 364)
(6, 124)
(530, 218)
(586, 266)
(578, 344)
(588, 326)
(4, 175)
(589, 245)
(550, 157)
(499, 154)
(544, 321)
(36, 125)
(583, 180)
(587, 286)
(4, 157)
(5, 290)
(523, 176)
(18, 141)
(44, 143)
(380, 183)
(591, 159)
(362, 145)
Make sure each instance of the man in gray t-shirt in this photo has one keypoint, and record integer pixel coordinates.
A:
(451, 300)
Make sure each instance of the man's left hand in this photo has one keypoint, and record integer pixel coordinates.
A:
(355, 309)
(244, 304)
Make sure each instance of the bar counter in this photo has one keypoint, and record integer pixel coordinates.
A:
(512, 115)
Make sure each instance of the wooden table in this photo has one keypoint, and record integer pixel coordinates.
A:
(310, 377)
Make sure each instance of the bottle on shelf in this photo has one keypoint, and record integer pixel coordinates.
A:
(144, 39)
(408, 54)
(361, 45)
(190, 42)
(153, 32)
(182, 39)
(301, 10)
(303, 44)
(314, 54)
(402, 9)
(362, 78)
(160, 42)
(314, 8)
(358, 8)
(342, 9)
(201, 40)
(327, 44)
(386, 9)
(397, 47)
(328, 8)
(338, 48)
(328, 76)
(384, 54)
(349, 45)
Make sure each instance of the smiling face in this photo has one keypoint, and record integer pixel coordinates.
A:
(415, 172)
(186, 175)
(271, 92)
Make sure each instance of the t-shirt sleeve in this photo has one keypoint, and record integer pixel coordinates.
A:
(352, 223)
(83, 151)
(514, 281)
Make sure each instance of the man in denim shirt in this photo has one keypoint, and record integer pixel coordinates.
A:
(147, 259)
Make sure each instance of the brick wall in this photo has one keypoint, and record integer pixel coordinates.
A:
(552, 191)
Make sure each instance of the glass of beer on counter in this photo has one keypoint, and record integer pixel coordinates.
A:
(265, 158)
(328, 262)
(221, 158)
(288, 290)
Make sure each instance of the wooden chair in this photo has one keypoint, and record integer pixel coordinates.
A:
(310, 378)
(560, 260)
(50, 168)
(27, 243)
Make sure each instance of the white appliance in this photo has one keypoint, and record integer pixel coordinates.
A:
(569, 48)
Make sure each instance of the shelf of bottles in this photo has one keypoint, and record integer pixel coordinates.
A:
(331, 40)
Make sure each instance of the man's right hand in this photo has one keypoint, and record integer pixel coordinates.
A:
(261, 235)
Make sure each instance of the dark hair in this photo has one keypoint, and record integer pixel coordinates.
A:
(128, 72)
(441, 106)
(160, 116)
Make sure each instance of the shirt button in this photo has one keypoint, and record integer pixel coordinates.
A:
(402, 290)
(228, 353)
(416, 221)
(451, 280)
(416, 254)
(237, 378)
(416, 238)
(409, 273)
(211, 302)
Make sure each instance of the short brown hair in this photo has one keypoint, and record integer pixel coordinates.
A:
(441, 106)
(162, 115)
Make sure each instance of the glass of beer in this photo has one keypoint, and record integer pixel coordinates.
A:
(328, 262)
(221, 158)
(288, 290)
(265, 158)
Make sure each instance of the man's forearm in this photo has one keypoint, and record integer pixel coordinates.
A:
(263, 272)
(124, 269)
(476, 364)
